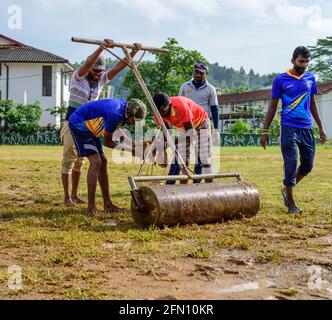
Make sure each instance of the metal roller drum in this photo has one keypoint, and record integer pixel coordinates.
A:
(197, 203)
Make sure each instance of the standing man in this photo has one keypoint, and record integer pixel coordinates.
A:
(107, 115)
(86, 85)
(204, 94)
(193, 122)
(297, 89)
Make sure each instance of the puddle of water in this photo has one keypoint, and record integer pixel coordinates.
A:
(111, 223)
(251, 286)
(122, 245)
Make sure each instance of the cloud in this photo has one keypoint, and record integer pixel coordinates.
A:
(159, 11)
(55, 5)
(316, 22)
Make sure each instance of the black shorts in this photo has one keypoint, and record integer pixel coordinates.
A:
(86, 143)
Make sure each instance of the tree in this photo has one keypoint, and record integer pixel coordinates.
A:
(322, 59)
(5, 107)
(59, 111)
(240, 128)
(275, 127)
(167, 73)
(241, 89)
(20, 118)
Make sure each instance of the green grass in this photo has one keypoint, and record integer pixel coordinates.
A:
(66, 254)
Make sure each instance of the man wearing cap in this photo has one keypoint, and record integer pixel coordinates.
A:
(204, 94)
(85, 86)
(87, 124)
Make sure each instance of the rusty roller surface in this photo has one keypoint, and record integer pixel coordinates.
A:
(197, 203)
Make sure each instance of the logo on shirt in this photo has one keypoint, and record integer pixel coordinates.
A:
(189, 92)
(309, 83)
(291, 86)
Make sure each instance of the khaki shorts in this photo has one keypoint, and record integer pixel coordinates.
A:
(71, 161)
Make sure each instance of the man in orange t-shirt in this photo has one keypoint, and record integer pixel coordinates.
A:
(191, 120)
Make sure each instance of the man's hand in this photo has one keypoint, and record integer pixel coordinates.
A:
(137, 47)
(163, 163)
(108, 43)
(322, 135)
(264, 140)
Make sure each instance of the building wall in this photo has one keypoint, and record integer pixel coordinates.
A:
(26, 80)
(242, 107)
(5, 42)
(325, 109)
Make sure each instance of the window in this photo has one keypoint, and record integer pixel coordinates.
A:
(47, 81)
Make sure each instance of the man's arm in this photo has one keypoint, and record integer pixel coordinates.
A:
(215, 116)
(213, 101)
(269, 118)
(109, 143)
(189, 126)
(86, 67)
(121, 65)
(315, 114)
(129, 145)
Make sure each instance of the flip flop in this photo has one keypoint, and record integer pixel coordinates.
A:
(295, 210)
(285, 198)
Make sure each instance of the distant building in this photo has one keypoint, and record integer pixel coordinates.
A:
(250, 106)
(28, 74)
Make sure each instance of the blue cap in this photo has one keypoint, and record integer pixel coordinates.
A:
(202, 67)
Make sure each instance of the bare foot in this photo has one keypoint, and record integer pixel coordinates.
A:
(113, 209)
(91, 211)
(77, 200)
(69, 203)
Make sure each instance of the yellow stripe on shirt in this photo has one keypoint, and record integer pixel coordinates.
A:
(96, 126)
(297, 102)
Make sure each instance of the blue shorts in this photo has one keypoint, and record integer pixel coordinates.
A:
(86, 143)
(295, 141)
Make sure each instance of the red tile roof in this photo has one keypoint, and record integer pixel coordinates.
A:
(19, 52)
(245, 96)
(264, 94)
(14, 43)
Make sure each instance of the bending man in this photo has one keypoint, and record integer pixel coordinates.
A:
(86, 85)
(193, 123)
(109, 114)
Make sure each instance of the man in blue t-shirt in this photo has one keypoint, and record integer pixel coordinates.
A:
(297, 89)
(87, 124)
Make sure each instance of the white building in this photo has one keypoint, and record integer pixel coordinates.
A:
(324, 100)
(28, 75)
(236, 106)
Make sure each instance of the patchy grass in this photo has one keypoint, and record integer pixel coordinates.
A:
(65, 254)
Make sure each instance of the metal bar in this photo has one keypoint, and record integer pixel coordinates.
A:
(134, 180)
(146, 91)
(118, 45)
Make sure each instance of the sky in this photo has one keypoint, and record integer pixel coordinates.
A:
(257, 34)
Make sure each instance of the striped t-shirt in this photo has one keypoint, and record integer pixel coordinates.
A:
(81, 93)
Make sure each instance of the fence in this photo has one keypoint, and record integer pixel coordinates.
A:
(49, 138)
(52, 138)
